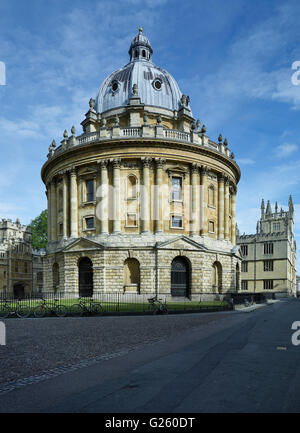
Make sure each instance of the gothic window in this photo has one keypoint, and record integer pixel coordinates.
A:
(268, 248)
(268, 285)
(244, 266)
(244, 250)
(244, 284)
(276, 227)
(176, 188)
(268, 265)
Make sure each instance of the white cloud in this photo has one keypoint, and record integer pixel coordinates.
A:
(286, 149)
(245, 161)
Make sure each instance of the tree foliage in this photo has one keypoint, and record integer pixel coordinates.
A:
(39, 230)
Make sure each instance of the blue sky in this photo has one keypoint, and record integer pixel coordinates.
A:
(234, 59)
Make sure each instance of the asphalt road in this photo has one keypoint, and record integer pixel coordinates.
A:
(246, 363)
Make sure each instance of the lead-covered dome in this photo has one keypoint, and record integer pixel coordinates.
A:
(156, 87)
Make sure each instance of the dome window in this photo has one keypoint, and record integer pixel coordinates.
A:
(114, 86)
(157, 83)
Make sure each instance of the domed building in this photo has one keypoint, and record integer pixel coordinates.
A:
(143, 201)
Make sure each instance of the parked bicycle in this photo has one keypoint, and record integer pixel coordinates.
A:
(15, 307)
(156, 306)
(86, 307)
(46, 307)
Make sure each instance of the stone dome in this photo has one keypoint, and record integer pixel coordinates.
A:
(156, 87)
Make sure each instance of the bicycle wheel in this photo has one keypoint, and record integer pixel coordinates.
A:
(23, 311)
(96, 308)
(152, 308)
(61, 310)
(39, 311)
(76, 310)
(4, 311)
(164, 309)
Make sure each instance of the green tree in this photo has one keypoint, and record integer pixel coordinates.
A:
(39, 230)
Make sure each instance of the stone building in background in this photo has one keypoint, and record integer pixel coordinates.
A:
(143, 201)
(269, 256)
(21, 269)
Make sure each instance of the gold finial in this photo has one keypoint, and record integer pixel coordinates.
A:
(140, 29)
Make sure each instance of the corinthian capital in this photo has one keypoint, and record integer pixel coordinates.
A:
(146, 162)
(116, 162)
(160, 162)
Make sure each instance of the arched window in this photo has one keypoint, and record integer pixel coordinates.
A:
(217, 277)
(136, 54)
(131, 275)
(55, 277)
(144, 53)
(85, 268)
(131, 187)
(211, 195)
(180, 277)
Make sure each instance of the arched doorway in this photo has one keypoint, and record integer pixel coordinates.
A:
(85, 267)
(19, 291)
(217, 277)
(131, 275)
(180, 277)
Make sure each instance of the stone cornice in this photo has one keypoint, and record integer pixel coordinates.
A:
(110, 148)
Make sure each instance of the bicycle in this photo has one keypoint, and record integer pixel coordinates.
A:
(156, 306)
(46, 308)
(20, 310)
(86, 307)
(248, 303)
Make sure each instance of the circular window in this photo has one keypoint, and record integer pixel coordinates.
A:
(157, 84)
(114, 86)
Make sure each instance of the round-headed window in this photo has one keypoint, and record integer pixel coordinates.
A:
(157, 84)
(114, 86)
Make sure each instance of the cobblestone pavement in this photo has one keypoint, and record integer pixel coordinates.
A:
(40, 348)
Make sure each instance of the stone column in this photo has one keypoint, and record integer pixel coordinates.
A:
(103, 205)
(221, 207)
(226, 210)
(48, 194)
(158, 195)
(116, 196)
(73, 204)
(194, 201)
(65, 205)
(145, 210)
(53, 211)
(233, 218)
(204, 218)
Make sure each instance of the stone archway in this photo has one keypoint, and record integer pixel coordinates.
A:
(180, 277)
(19, 290)
(217, 277)
(131, 275)
(86, 283)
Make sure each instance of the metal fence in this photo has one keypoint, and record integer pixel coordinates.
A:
(117, 303)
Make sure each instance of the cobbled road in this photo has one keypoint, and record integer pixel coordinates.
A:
(35, 346)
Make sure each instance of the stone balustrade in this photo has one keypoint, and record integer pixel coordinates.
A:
(131, 132)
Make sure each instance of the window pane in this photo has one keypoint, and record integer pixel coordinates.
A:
(89, 190)
(176, 188)
(176, 221)
(89, 223)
